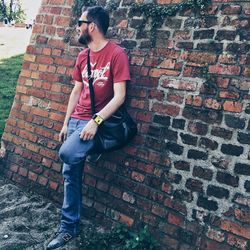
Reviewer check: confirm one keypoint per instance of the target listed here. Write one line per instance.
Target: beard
(85, 38)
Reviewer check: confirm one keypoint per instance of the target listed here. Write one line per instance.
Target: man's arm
(73, 100)
(90, 129)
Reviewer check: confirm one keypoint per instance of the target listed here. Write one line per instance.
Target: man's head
(94, 19)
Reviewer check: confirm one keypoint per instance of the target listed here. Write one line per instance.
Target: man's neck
(97, 45)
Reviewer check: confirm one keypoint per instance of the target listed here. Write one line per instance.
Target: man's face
(84, 36)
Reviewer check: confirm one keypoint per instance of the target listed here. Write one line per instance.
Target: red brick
(48, 19)
(65, 62)
(32, 176)
(137, 176)
(175, 219)
(90, 180)
(159, 72)
(56, 10)
(229, 94)
(14, 168)
(216, 235)
(166, 109)
(179, 84)
(48, 153)
(233, 106)
(50, 30)
(166, 187)
(182, 35)
(227, 59)
(235, 228)
(42, 180)
(29, 58)
(160, 211)
(212, 103)
(174, 97)
(222, 82)
(128, 197)
(225, 69)
(57, 2)
(23, 171)
(168, 64)
(53, 185)
(194, 100)
(242, 215)
(62, 21)
(199, 57)
(126, 219)
(58, 43)
(237, 242)
(116, 192)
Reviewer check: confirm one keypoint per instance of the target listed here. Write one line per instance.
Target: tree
(12, 10)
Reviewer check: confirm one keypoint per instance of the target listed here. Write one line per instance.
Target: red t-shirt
(108, 66)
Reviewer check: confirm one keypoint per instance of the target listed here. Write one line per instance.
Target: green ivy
(158, 12)
(152, 11)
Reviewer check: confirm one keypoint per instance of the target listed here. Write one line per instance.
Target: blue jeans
(73, 153)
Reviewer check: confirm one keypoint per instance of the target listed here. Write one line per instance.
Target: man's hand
(89, 131)
(63, 133)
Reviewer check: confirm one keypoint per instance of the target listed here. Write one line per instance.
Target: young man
(110, 70)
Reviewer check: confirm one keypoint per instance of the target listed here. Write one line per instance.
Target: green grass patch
(9, 71)
(120, 237)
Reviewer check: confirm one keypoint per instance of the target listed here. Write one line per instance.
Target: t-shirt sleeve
(120, 69)
(76, 75)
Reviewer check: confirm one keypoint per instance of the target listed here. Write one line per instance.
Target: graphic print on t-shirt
(100, 76)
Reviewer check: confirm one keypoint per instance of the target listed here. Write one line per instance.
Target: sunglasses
(80, 22)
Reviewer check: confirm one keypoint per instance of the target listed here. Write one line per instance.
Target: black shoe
(59, 240)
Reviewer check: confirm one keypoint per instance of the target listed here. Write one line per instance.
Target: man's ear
(92, 27)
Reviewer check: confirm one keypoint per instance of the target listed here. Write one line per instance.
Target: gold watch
(97, 119)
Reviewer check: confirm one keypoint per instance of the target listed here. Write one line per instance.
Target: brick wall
(187, 172)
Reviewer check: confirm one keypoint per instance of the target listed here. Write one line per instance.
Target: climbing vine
(152, 11)
(158, 12)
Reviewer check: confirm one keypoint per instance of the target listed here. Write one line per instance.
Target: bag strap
(91, 88)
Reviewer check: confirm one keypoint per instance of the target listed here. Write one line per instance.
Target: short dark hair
(100, 17)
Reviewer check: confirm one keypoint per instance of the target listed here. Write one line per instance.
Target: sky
(31, 7)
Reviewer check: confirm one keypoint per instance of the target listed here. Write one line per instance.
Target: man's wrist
(97, 119)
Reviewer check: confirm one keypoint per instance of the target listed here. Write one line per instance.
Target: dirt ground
(28, 221)
(13, 41)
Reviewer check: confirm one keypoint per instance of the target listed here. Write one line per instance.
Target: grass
(9, 72)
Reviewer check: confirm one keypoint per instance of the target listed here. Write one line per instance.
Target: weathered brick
(174, 148)
(166, 109)
(179, 84)
(198, 128)
(227, 179)
(194, 185)
(224, 69)
(230, 149)
(221, 132)
(204, 34)
(230, 9)
(178, 123)
(216, 235)
(218, 192)
(247, 186)
(235, 228)
(206, 203)
(189, 139)
(207, 143)
(203, 173)
(243, 169)
(197, 155)
(235, 122)
(237, 242)
(182, 165)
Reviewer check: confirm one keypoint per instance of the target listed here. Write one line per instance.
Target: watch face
(98, 119)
